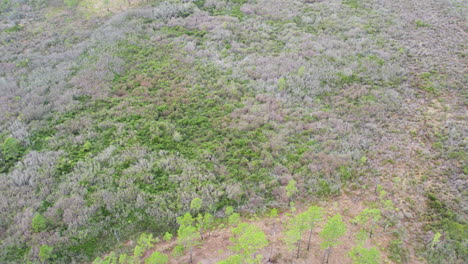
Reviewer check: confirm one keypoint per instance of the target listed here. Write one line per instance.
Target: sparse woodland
(233, 131)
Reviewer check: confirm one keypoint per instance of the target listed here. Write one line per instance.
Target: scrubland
(123, 121)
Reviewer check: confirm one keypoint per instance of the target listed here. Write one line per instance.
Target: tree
(362, 255)
(145, 242)
(167, 236)
(368, 219)
(72, 3)
(204, 222)
(39, 223)
(274, 215)
(157, 258)
(234, 219)
(11, 149)
(45, 252)
(331, 233)
(187, 219)
(234, 259)
(295, 228)
(291, 189)
(188, 235)
(109, 259)
(436, 239)
(314, 215)
(196, 204)
(125, 259)
(229, 210)
(247, 240)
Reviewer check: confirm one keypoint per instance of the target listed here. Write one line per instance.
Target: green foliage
(196, 204)
(273, 213)
(125, 259)
(167, 236)
(188, 236)
(368, 219)
(178, 31)
(334, 229)
(362, 255)
(109, 259)
(454, 227)
(145, 242)
(157, 258)
(185, 220)
(45, 253)
(138, 251)
(234, 219)
(281, 84)
(72, 3)
(397, 251)
(313, 215)
(420, 23)
(204, 223)
(15, 28)
(39, 223)
(436, 239)
(352, 3)
(229, 210)
(178, 251)
(295, 228)
(234, 259)
(248, 239)
(10, 152)
(291, 188)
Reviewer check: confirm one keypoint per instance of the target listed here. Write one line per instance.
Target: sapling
(334, 229)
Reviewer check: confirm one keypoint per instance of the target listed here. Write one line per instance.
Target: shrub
(39, 223)
(72, 3)
(157, 258)
(45, 252)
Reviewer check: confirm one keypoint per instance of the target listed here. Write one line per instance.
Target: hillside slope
(115, 115)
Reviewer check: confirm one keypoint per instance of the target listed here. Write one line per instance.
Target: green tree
(45, 253)
(188, 236)
(314, 214)
(11, 148)
(185, 220)
(125, 259)
(291, 189)
(39, 223)
(273, 213)
(205, 223)
(109, 259)
(294, 230)
(72, 3)
(234, 219)
(157, 258)
(274, 216)
(334, 229)
(196, 205)
(234, 259)
(362, 255)
(247, 240)
(10, 152)
(145, 242)
(229, 210)
(436, 239)
(368, 219)
(167, 236)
